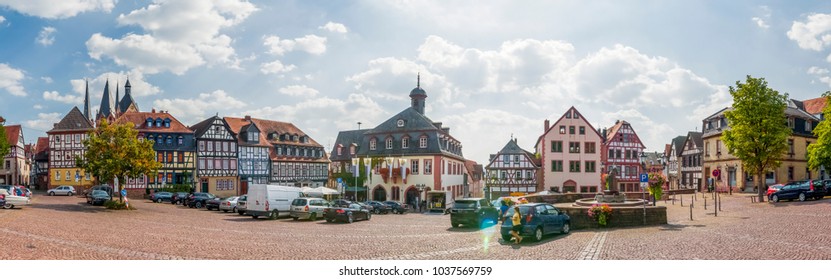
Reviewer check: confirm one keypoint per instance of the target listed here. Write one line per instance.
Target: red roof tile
(236, 125)
(13, 134)
(42, 145)
(814, 106)
(139, 119)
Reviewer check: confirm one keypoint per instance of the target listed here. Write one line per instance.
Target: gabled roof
(554, 124)
(347, 138)
(476, 171)
(237, 125)
(815, 106)
(667, 150)
(126, 101)
(268, 126)
(678, 142)
(139, 119)
(614, 130)
(203, 126)
(106, 108)
(413, 120)
(13, 134)
(695, 136)
(42, 145)
(73, 121)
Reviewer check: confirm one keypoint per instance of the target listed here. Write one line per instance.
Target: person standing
(516, 226)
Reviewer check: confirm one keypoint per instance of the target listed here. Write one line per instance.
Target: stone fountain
(611, 195)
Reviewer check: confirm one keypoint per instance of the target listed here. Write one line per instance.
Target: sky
(491, 69)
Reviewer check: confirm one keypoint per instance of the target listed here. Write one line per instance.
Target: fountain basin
(588, 202)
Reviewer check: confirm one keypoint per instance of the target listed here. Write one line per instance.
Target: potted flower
(600, 213)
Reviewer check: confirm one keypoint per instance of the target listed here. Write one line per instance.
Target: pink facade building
(570, 152)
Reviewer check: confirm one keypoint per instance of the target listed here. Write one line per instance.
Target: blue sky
(490, 69)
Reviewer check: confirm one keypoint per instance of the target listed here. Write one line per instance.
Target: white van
(270, 200)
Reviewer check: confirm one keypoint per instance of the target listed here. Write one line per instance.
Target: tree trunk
(761, 186)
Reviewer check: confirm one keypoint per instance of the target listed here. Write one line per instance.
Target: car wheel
(7, 206)
(349, 218)
(329, 220)
(566, 228)
(295, 218)
(455, 225)
(774, 198)
(51, 193)
(377, 211)
(225, 210)
(273, 215)
(802, 197)
(240, 213)
(506, 237)
(69, 194)
(254, 216)
(234, 210)
(538, 234)
(368, 216)
(159, 200)
(199, 205)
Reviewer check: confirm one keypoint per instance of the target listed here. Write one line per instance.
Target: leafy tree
(758, 131)
(819, 153)
(4, 143)
(114, 151)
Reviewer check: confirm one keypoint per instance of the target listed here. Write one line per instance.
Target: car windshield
(523, 210)
(243, 198)
(465, 204)
(298, 202)
(209, 195)
(94, 193)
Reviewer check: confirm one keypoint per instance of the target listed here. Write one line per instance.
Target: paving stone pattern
(68, 228)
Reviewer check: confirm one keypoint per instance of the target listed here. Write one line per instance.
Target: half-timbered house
(65, 144)
(691, 161)
(621, 152)
(216, 156)
(512, 170)
(296, 158)
(41, 164)
(254, 152)
(15, 171)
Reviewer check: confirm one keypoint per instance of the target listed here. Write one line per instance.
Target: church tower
(418, 96)
(87, 110)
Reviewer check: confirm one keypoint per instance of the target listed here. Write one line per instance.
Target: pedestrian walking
(516, 226)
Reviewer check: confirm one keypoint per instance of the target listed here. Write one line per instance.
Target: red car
(773, 188)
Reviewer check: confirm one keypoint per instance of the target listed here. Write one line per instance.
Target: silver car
(241, 205)
(308, 208)
(229, 204)
(62, 190)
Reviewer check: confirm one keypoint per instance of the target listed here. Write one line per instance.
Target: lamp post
(355, 162)
(420, 188)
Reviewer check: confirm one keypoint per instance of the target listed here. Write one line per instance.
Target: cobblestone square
(68, 228)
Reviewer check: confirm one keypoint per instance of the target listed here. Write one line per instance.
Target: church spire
(418, 96)
(116, 98)
(87, 109)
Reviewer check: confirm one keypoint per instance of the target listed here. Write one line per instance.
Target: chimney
(603, 134)
(153, 111)
(617, 121)
(547, 125)
(247, 118)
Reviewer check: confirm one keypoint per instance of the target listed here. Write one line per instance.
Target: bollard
(719, 203)
(692, 202)
(691, 207)
(682, 200)
(673, 199)
(705, 203)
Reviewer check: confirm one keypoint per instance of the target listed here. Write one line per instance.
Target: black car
(106, 188)
(179, 197)
(212, 204)
(341, 203)
(379, 207)
(347, 214)
(476, 212)
(198, 200)
(97, 197)
(396, 207)
(802, 190)
(159, 197)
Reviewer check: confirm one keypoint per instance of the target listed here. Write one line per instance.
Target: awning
(352, 189)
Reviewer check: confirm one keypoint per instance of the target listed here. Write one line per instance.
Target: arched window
(159, 122)
(159, 139)
(169, 140)
(389, 143)
(405, 142)
(373, 143)
(167, 122)
(180, 140)
(149, 122)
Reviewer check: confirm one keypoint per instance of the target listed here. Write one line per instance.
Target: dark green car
(477, 212)
(98, 197)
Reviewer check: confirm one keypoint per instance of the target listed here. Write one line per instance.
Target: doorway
(379, 194)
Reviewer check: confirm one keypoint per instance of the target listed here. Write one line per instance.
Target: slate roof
(203, 126)
(696, 137)
(815, 106)
(413, 120)
(679, 144)
(237, 125)
(107, 103)
(347, 138)
(126, 101)
(13, 134)
(73, 121)
(139, 119)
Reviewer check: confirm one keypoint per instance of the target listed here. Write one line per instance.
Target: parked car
(476, 212)
(24, 191)
(271, 201)
(213, 204)
(379, 207)
(229, 204)
(309, 208)
(160, 197)
(62, 190)
(538, 219)
(366, 206)
(802, 190)
(98, 197)
(347, 214)
(179, 198)
(396, 207)
(16, 190)
(773, 188)
(242, 205)
(341, 203)
(104, 187)
(197, 200)
(12, 200)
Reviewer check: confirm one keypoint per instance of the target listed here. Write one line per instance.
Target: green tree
(819, 153)
(114, 151)
(758, 131)
(4, 143)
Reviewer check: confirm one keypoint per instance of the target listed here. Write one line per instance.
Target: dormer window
(149, 122)
(340, 150)
(352, 150)
(169, 140)
(405, 142)
(422, 142)
(389, 143)
(253, 136)
(167, 122)
(373, 143)
(159, 122)
(180, 140)
(159, 139)
(791, 123)
(400, 123)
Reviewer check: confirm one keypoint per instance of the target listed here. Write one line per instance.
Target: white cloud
(276, 67)
(47, 80)
(761, 20)
(37, 107)
(45, 121)
(58, 9)
(320, 116)
(310, 43)
(2, 19)
(192, 110)
(181, 35)
(821, 74)
(46, 36)
(10, 80)
(813, 33)
(68, 99)
(334, 27)
(299, 90)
